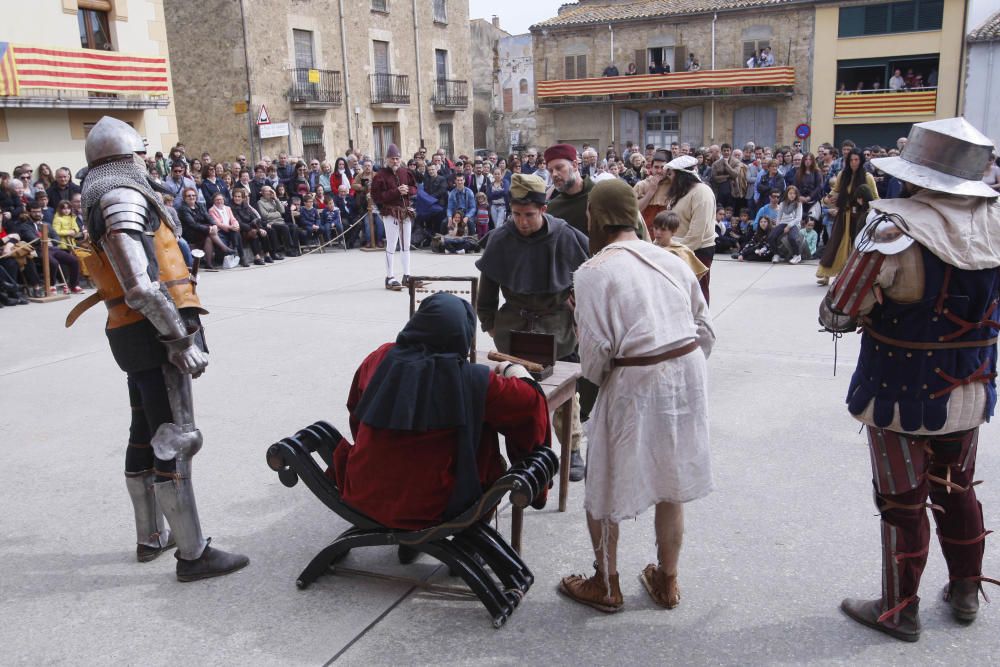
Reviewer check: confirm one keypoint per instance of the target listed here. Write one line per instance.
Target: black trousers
(147, 394)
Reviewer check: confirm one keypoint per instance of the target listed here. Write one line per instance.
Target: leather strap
(655, 359)
(82, 307)
(912, 345)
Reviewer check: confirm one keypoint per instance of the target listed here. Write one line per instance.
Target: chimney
(496, 21)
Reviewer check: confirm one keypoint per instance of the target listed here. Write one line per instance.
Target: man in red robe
(425, 422)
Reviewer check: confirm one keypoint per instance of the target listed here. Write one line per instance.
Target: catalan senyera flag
(886, 103)
(79, 69)
(8, 71)
(719, 78)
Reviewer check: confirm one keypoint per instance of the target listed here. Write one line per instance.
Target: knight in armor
(923, 285)
(155, 333)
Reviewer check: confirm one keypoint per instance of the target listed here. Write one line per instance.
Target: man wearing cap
(652, 190)
(694, 202)
(570, 199)
(531, 259)
(923, 284)
(392, 190)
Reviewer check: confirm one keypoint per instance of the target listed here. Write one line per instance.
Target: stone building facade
(485, 37)
(982, 82)
(50, 124)
(588, 36)
(340, 73)
(514, 103)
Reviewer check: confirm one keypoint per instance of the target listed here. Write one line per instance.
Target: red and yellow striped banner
(88, 69)
(647, 83)
(890, 103)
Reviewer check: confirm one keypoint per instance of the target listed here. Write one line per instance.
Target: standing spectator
(847, 223)
(177, 182)
(631, 70)
(652, 191)
(896, 83)
(809, 181)
(610, 70)
(482, 215)
(314, 175)
(436, 186)
(729, 178)
(991, 176)
(499, 199)
(212, 184)
(340, 175)
(770, 181)
(695, 203)
(636, 171)
(541, 171)
(480, 181)
(285, 170)
(588, 163)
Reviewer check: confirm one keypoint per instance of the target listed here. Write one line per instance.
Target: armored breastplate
(914, 355)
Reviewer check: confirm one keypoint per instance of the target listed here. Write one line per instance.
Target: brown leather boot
(867, 612)
(593, 592)
(963, 596)
(662, 587)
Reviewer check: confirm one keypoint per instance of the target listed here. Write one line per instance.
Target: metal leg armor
(150, 529)
(180, 441)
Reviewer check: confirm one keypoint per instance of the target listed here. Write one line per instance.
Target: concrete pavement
(789, 531)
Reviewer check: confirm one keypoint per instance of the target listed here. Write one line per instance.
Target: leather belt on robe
(656, 358)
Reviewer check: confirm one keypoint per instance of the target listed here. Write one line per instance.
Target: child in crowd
(482, 215)
(810, 239)
(758, 249)
(665, 225)
(309, 222)
(65, 226)
(329, 217)
(725, 238)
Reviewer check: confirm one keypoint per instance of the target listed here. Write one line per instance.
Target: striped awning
(84, 69)
(647, 83)
(889, 103)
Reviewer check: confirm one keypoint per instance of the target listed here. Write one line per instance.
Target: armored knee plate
(150, 529)
(176, 497)
(176, 441)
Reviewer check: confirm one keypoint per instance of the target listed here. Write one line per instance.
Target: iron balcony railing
(315, 87)
(390, 88)
(451, 94)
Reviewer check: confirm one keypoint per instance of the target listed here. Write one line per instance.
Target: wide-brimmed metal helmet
(947, 155)
(111, 138)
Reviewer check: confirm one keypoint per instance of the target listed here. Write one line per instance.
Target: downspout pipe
(715, 17)
(416, 52)
(347, 74)
(255, 149)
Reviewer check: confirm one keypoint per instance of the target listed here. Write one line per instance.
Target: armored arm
(126, 215)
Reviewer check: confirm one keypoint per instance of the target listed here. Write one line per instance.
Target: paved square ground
(789, 531)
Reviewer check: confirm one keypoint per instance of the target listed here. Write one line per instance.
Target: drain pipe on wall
(416, 52)
(347, 75)
(715, 17)
(246, 60)
(612, 61)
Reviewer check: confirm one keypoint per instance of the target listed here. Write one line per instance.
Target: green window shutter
(852, 22)
(570, 67)
(876, 19)
(929, 14)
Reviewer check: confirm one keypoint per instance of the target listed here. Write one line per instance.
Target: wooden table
(560, 387)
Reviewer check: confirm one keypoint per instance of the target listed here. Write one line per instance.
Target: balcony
(450, 94)
(389, 88)
(768, 81)
(44, 77)
(315, 89)
(919, 101)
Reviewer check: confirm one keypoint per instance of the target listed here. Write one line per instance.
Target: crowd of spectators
(774, 204)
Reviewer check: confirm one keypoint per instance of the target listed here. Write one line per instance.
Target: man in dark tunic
(531, 259)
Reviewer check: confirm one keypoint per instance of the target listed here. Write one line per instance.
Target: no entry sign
(803, 131)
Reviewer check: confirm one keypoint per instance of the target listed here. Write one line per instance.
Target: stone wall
(516, 65)
(485, 38)
(210, 79)
(789, 32)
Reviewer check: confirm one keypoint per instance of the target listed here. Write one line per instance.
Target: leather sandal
(593, 592)
(662, 587)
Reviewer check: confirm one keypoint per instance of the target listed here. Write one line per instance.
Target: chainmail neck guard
(106, 177)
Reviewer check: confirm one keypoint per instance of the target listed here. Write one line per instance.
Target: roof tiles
(988, 31)
(595, 14)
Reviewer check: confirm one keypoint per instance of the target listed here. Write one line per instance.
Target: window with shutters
(303, 42)
(384, 134)
(440, 11)
(95, 32)
(380, 6)
(380, 53)
(508, 100)
(575, 67)
(446, 138)
(312, 143)
(886, 18)
(522, 87)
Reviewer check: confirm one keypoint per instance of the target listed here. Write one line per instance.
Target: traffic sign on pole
(262, 117)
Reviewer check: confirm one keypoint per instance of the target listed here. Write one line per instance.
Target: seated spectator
(229, 228)
(320, 197)
(28, 228)
(665, 225)
(810, 240)
(64, 224)
(16, 258)
(272, 216)
(757, 248)
(177, 182)
(769, 209)
(346, 204)
(462, 199)
(199, 229)
(212, 184)
(64, 187)
(299, 184)
(457, 239)
(410, 469)
(252, 231)
(787, 242)
(340, 175)
(308, 223)
(740, 231)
